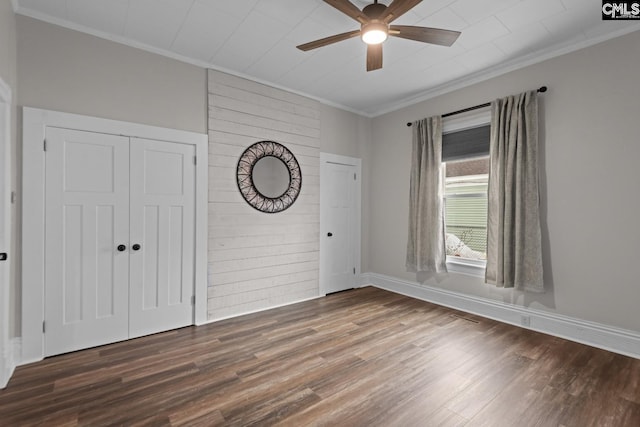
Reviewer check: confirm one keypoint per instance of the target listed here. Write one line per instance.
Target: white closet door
(163, 225)
(87, 218)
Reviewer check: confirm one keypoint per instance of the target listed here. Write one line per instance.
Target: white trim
(202, 227)
(7, 362)
(480, 76)
(169, 54)
(326, 158)
(498, 70)
(11, 356)
(468, 120)
(16, 344)
(459, 122)
(606, 337)
(468, 267)
(259, 310)
(35, 122)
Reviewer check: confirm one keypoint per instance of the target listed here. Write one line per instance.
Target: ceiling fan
(375, 26)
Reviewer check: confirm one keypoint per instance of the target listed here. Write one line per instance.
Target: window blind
(466, 143)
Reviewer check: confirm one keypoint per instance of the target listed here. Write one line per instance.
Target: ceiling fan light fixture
(375, 27)
(374, 32)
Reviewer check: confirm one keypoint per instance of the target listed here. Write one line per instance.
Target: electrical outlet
(525, 321)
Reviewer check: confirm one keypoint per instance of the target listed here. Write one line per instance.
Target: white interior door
(87, 219)
(339, 206)
(163, 225)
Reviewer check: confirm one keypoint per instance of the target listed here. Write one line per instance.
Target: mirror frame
(244, 175)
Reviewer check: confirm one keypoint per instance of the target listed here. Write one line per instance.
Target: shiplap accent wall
(259, 260)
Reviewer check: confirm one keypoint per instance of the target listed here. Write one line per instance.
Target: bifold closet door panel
(162, 236)
(87, 218)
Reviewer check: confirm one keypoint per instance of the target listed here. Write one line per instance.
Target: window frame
(480, 117)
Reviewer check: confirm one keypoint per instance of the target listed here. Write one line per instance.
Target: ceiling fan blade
(328, 40)
(397, 8)
(349, 9)
(374, 56)
(425, 34)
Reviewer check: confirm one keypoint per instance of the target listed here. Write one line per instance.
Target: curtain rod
(543, 89)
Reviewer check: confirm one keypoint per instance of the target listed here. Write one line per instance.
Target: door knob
(121, 248)
(136, 247)
(3, 256)
(329, 234)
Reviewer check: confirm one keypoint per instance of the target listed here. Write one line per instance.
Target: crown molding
(500, 69)
(471, 79)
(169, 54)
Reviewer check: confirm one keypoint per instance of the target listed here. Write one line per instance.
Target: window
(466, 185)
(465, 154)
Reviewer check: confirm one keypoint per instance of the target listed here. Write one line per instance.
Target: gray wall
(7, 44)
(589, 183)
(69, 71)
(8, 72)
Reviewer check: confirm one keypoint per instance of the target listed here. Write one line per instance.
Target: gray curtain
(426, 243)
(514, 255)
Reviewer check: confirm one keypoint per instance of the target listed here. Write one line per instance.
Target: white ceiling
(257, 39)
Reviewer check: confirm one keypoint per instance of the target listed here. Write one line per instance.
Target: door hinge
(44, 145)
(354, 270)
(195, 160)
(354, 176)
(193, 300)
(14, 196)
(44, 329)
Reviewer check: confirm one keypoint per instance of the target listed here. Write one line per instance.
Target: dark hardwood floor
(360, 358)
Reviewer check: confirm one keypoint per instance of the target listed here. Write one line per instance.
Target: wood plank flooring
(360, 358)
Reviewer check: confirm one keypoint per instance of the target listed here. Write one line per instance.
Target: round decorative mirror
(269, 176)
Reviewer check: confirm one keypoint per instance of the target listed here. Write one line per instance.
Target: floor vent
(465, 318)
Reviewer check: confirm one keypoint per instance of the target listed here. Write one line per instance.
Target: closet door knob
(121, 248)
(329, 234)
(136, 247)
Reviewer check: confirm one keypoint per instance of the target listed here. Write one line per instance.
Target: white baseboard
(10, 359)
(17, 351)
(218, 319)
(594, 334)
(6, 373)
